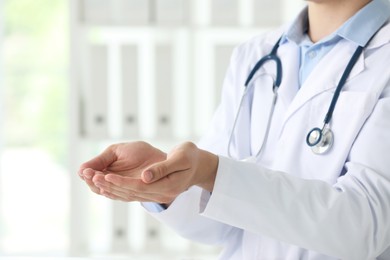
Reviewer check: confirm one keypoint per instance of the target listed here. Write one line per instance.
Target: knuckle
(188, 144)
(160, 171)
(142, 143)
(112, 147)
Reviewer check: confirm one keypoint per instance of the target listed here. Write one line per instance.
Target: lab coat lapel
(326, 75)
(289, 54)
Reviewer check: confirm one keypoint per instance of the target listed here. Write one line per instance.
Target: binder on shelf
(152, 229)
(118, 12)
(96, 101)
(119, 227)
(164, 91)
(130, 93)
(130, 12)
(224, 12)
(96, 12)
(222, 54)
(172, 12)
(267, 12)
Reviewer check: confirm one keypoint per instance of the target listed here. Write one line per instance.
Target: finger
(80, 173)
(121, 183)
(157, 191)
(92, 186)
(114, 195)
(101, 161)
(178, 162)
(130, 186)
(88, 173)
(126, 183)
(125, 191)
(113, 192)
(106, 186)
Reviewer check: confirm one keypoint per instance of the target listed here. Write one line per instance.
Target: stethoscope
(320, 140)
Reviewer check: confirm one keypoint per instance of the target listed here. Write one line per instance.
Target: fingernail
(148, 176)
(88, 174)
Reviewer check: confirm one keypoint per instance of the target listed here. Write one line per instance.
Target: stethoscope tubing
(341, 84)
(270, 116)
(278, 80)
(271, 56)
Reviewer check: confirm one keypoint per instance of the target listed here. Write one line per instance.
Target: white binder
(268, 12)
(130, 12)
(95, 95)
(119, 227)
(222, 54)
(130, 93)
(172, 12)
(164, 91)
(96, 12)
(224, 12)
(116, 12)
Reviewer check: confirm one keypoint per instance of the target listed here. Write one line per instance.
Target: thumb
(102, 161)
(162, 169)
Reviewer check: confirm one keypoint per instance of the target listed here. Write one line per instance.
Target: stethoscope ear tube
(270, 57)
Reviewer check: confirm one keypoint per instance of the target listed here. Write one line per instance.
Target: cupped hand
(162, 182)
(124, 159)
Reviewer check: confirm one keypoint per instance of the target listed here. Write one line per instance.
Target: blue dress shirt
(358, 29)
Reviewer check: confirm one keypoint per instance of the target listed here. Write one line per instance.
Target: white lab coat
(293, 204)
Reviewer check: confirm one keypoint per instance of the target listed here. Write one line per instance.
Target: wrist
(208, 166)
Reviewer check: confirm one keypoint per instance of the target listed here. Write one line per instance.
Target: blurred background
(77, 75)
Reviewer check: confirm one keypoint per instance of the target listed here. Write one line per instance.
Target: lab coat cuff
(153, 207)
(176, 207)
(207, 198)
(204, 199)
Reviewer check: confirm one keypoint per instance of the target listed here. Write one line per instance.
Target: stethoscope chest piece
(320, 140)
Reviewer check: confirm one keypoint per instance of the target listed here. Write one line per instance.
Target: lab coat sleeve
(349, 220)
(183, 217)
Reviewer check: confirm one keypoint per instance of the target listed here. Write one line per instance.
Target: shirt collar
(365, 23)
(358, 29)
(297, 29)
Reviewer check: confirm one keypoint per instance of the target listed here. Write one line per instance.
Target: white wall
(1, 107)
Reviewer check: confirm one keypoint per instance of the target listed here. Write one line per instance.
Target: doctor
(297, 196)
